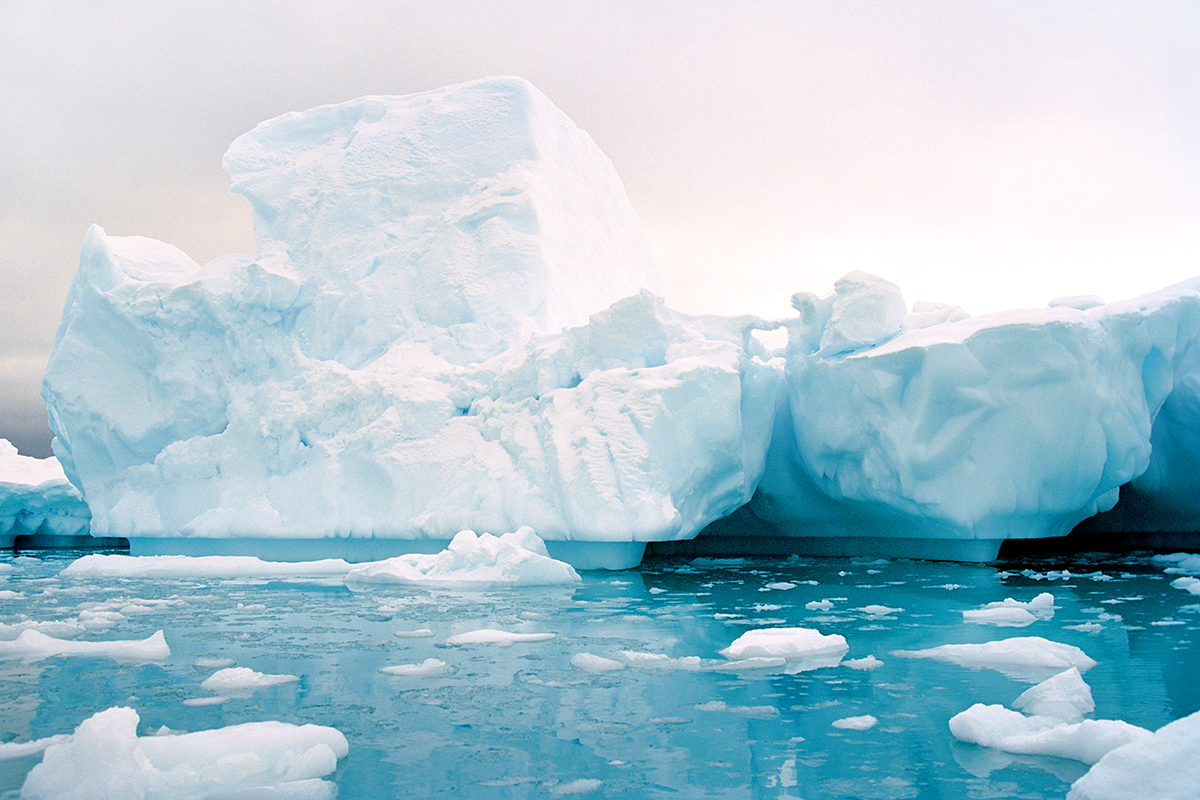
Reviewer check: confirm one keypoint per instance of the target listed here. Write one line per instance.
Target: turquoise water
(521, 721)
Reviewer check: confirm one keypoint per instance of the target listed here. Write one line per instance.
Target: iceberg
(957, 435)
(1163, 765)
(36, 497)
(453, 321)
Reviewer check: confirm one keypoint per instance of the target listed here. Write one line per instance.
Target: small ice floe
(430, 667)
(1028, 658)
(867, 663)
(496, 637)
(519, 558)
(1086, 627)
(1164, 764)
(9, 594)
(879, 612)
(32, 645)
(105, 758)
(863, 723)
(778, 586)
(419, 633)
(802, 648)
(755, 712)
(593, 663)
(241, 682)
(1012, 613)
(1052, 724)
(165, 567)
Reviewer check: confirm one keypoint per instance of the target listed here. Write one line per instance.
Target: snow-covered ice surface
(616, 690)
(36, 497)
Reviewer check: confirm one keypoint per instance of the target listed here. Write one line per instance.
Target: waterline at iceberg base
(454, 322)
(705, 678)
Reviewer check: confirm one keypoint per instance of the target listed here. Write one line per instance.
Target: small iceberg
(513, 559)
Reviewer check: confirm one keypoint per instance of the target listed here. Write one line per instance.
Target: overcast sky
(989, 154)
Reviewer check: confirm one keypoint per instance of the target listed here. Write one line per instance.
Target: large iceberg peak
(468, 217)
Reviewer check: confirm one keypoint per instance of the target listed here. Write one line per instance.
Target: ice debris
(105, 758)
(519, 558)
(1025, 657)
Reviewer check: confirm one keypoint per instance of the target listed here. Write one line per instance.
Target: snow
(32, 645)
(36, 497)
(511, 559)
(1023, 657)
(105, 758)
(1164, 765)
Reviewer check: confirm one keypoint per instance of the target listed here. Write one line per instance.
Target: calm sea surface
(522, 721)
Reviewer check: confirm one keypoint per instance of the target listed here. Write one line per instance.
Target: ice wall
(1010, 425)
(35, 497)
(393, 364)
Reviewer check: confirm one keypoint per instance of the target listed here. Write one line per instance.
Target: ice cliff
(454, 322)
(35, 497)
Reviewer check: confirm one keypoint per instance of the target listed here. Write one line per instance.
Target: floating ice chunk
(160, 567)
(819, 605)
(878, 611)
(1013, 732)
(863, 723)
(512, 559)
(1004, 617)
(867, 663)
(1164, 765)
(1012, 613)
(802, 648)
(242, 681)
(1024, 657)
(593, 663)
(1184, 563)
(105, 758)
(1064, 696)
(428, 668)
(10, 750)
(419, 633)
(780, 586)
(1086, 627)
(1187, 584)
(33, 645)
(497, 637)
(59, 629)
